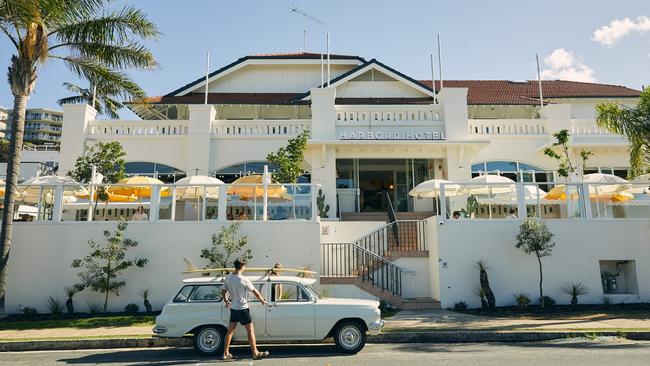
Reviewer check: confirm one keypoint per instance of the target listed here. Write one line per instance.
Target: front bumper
(375, 327)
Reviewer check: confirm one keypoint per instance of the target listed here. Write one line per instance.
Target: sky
(584, 40)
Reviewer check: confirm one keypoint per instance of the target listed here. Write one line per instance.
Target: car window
(289, 292)
(183, 294)
(206, 293)
(261, 287)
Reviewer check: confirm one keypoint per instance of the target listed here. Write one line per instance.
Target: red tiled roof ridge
(300, 54)
(521, 82)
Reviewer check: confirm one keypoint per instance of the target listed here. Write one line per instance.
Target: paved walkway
(414, 320)
(407, 320)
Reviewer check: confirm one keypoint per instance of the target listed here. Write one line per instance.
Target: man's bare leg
(229, 334)
(251, 338)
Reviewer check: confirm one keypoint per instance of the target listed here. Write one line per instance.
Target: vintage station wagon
(295, 312)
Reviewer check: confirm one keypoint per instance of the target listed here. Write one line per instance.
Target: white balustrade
(507, 127)
(383, 114)
(262, 128)
(588, 127)
(138, 128)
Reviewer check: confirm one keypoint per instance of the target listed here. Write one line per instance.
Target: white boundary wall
(39, 265)
(580, 244)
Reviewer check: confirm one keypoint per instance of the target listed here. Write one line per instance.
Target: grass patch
(81, 321)
(596, 312)
(130, 336)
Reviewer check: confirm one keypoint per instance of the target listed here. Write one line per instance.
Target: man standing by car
(235, 294)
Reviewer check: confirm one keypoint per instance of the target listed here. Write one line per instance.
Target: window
(183, 294)
(206, 293)
(290, 292)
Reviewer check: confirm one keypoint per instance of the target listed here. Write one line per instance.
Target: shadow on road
(182, 356)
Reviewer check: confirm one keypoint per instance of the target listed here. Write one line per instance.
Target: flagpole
(440, 62)
(433, 80)
(207, 75)
(539, 82)
(328, 60)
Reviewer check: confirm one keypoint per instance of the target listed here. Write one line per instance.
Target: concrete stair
(383, 216)
(396, 301)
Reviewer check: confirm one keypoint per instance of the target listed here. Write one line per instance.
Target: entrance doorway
(378, 179)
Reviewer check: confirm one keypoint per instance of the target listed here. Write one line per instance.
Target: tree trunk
(22, 77)
(541, 278)
(485, 286)
(13, 171)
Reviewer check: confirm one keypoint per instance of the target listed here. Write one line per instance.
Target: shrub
(30, 311)
(606, 300)
(522, 301)
(54, 305)
(131, 309)
(548, 301)
(70, 291)
(574, 290)
(485, 289)
(94, 307)
(461, 305)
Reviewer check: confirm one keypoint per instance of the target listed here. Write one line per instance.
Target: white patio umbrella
(431, 189)
(33, 188)
(640, 184)
(196, 188)
(608, 183)
(488, 184)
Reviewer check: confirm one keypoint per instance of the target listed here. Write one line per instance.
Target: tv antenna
(305, 16)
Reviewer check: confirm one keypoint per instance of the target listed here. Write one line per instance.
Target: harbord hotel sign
(390, 133)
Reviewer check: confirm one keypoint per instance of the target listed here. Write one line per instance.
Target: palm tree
(103, 96)
(94, 42)
(633, 123)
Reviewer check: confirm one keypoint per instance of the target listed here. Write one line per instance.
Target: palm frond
(132, 55)
(111, 28)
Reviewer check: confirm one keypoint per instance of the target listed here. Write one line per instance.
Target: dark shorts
(242, 317)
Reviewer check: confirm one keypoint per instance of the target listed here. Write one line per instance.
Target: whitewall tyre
(209, 340)
(350, 337)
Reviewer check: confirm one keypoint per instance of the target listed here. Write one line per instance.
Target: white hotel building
(375, 133)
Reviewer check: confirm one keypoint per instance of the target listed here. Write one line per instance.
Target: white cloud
(564, 65)
(619, 28)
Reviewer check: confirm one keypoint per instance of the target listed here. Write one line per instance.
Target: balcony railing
(412, 113)
(507, 127)
(168, 202)
(588, 127)
(138, 128)
(544, 200)
(262, 128)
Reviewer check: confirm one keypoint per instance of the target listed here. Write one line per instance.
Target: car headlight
(159, 329)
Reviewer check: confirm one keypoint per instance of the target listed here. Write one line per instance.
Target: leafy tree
(633, 123)
(93, 41)
(566, 166)
(535, 237)
(226, 247)
(4, 150)
(102, 266)
(108, 159)
(289, 159)
(104, 95)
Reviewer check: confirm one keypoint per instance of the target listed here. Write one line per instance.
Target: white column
(558, 118)
(323, 113)
(223, 202)
(154, 201)
(521, 201)
(198, 138)
(454, 104)
(58, 203)
(73, 135)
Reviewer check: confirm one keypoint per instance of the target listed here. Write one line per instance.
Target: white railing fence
(237, 128)
(138, 128)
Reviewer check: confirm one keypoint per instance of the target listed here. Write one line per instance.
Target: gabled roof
(366, 66)
(505, 92)
(276, 56)
(228, 98)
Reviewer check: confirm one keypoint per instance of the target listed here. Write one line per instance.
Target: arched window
(230, 173)
(163, 172)
(514, 170)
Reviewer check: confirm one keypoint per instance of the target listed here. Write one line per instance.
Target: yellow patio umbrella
(112, 197)
(138, 186)
(252, 186)
(609, 186)
(2, 188)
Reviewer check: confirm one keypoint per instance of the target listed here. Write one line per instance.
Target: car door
(290, 315)
(203, 303)
(257, 311)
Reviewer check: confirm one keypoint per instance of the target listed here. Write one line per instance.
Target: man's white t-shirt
(238, 287)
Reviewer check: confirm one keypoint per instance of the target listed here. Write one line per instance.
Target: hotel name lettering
(391, 135)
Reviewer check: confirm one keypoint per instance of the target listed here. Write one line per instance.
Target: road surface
(566, 352)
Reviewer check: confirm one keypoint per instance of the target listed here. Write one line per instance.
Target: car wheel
(350, 337)
(209, 340)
